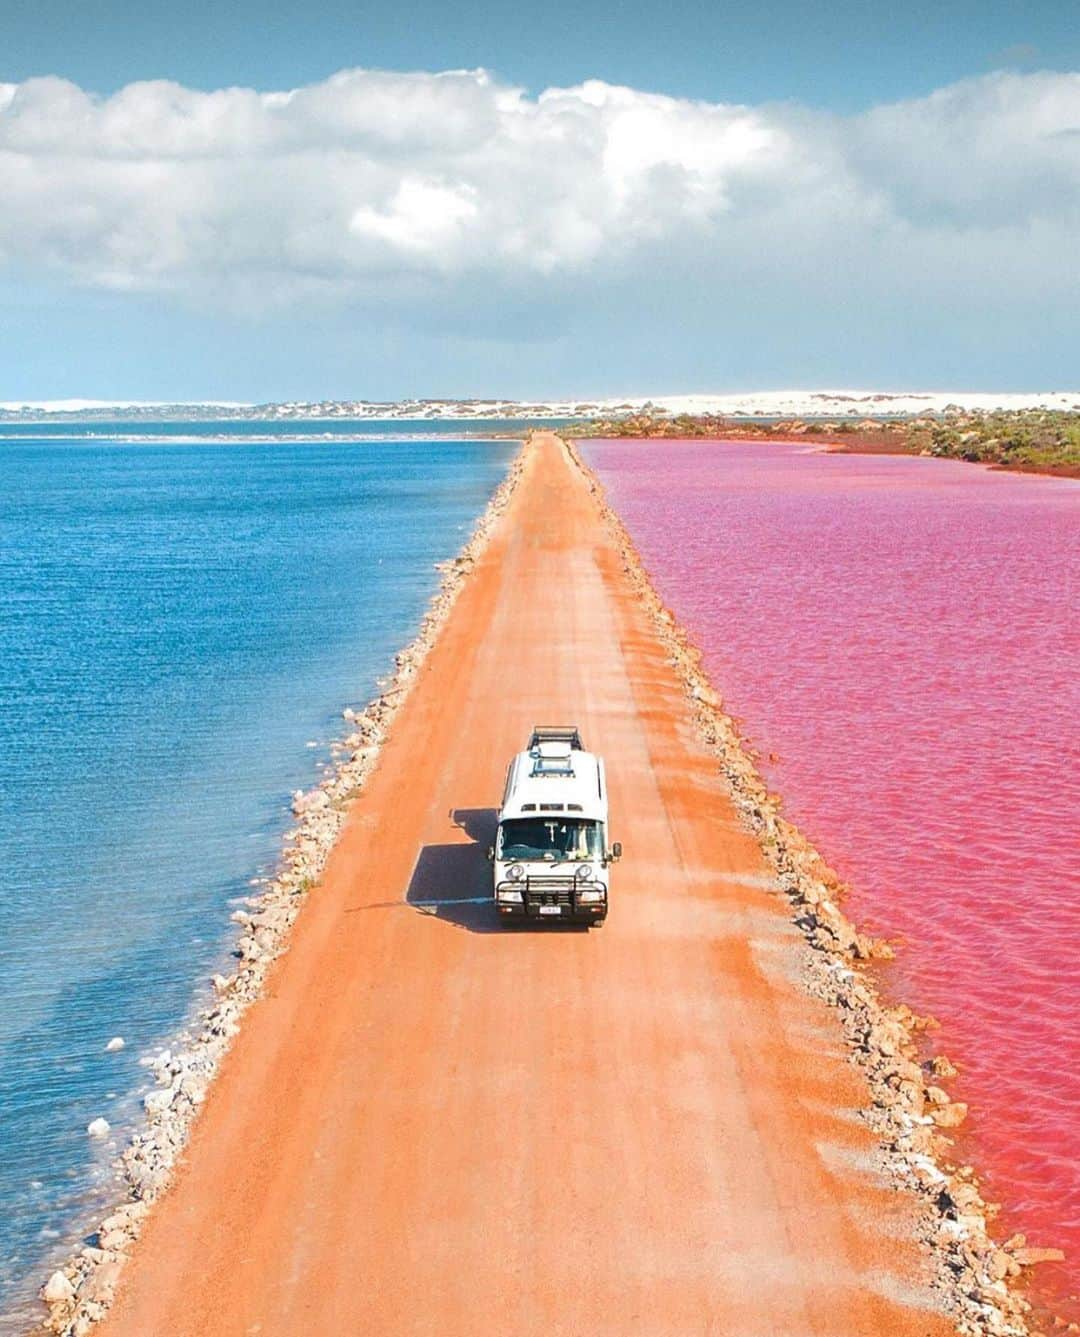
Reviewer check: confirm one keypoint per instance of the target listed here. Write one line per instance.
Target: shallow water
(903, 635)
(178, 625)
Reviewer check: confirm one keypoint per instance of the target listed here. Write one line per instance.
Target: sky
(276, 200)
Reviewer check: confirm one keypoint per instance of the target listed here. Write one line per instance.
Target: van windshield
(551, 838)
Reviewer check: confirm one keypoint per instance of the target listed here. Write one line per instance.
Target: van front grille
(549, 891)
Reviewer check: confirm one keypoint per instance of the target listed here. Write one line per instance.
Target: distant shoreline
(750, 406)
(1025, 436)
(1034, 441)
(128, 437)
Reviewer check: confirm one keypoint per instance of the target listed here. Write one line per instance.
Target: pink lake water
(902, 633)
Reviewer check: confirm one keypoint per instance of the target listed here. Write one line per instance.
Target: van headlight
(509, 894)
(591, 895)
(515, 872)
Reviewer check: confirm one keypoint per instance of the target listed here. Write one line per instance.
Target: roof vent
(555, 758)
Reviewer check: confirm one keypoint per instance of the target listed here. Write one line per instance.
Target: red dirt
(432, 1126)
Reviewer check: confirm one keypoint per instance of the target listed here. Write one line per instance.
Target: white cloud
(381, 188)
(424, 217)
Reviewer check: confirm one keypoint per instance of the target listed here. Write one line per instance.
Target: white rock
(100, 1286)
(310, 802)
(193, 1085)
(98, 1127)
(157, 1102)
(57, 1290)
(117, 1042)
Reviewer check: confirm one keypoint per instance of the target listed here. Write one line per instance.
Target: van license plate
(550, 909)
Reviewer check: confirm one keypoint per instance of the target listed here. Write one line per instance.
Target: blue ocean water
(179, 624)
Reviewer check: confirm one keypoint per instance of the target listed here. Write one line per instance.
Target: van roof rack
(556, 733)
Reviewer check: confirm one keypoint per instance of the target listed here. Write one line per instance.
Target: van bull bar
(569, 898)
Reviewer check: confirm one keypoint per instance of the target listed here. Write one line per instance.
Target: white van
(551, 858)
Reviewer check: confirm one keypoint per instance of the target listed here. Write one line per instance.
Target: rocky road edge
(78, 1295)
(910, 1107)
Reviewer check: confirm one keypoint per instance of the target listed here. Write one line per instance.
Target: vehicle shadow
(479, 824)
(453, 882)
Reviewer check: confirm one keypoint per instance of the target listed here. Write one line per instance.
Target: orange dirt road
(435, 1126)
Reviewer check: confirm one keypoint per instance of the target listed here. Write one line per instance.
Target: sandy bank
(426, 1125)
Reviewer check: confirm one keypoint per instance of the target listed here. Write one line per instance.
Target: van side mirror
(491, 854)
(616, 851)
